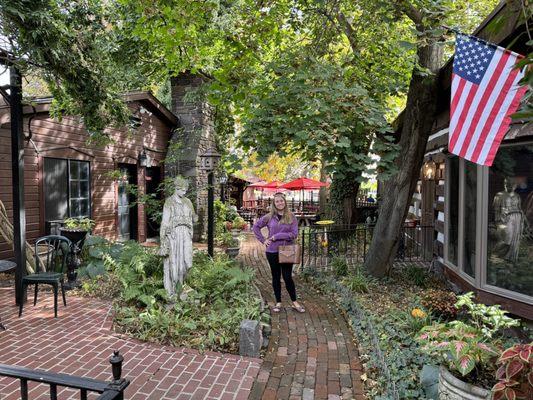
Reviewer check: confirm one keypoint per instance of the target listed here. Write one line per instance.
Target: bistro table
(305, 219)
(7, 266)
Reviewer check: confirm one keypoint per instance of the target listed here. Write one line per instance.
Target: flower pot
(452, 388)
(235, 233)
(233, 252)
(76, 236)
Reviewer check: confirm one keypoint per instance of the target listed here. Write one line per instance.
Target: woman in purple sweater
(282, 230)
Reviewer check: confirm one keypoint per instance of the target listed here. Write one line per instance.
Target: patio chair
(51, 254)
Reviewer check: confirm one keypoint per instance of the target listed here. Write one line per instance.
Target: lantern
(429, 169)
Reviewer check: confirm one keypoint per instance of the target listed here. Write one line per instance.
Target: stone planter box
(233, 252)
(452, 388)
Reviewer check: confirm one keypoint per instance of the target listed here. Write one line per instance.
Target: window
(469, 225)
(510, 220)
(453, 211)
(66, 189)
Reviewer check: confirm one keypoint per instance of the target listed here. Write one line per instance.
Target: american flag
(485, 92)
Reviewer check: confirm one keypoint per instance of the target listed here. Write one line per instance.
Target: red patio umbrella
(258, 185)
(303, 184)
(273, 185)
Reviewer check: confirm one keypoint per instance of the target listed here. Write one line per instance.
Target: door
(153, 181)
(127, 208)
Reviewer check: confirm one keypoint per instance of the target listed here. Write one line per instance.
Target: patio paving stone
(310, 355)
(80, 342)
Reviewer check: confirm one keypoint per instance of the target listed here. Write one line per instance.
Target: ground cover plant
(206, 314)
(388, 316)
(393, 311)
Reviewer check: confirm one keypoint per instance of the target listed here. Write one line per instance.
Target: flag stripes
(484, 94)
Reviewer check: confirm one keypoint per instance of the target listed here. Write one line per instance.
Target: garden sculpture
(176, 236)
(509, 220)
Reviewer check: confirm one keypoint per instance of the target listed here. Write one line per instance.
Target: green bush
(416, 274)
(357, 282)
(339, 266)
(220, 218)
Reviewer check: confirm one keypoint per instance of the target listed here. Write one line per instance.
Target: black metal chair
(51, 253)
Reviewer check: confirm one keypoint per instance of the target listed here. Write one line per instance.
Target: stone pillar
(194, 136)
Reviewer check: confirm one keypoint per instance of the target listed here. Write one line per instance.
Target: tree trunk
(343, 194)
(322, 194)
(397, 192)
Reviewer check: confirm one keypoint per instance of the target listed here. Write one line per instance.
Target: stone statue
(509, 220)
(176, 235)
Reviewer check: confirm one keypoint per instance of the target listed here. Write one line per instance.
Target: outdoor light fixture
(429, 169)
(223, 178)
(143, 159)
(209, 160)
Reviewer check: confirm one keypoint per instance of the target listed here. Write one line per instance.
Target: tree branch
(348, 30)
(411, 12)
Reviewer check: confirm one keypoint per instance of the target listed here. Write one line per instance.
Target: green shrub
(417, 275)
(206, 313)
(214, 300)
(339, 266)
(357, 282)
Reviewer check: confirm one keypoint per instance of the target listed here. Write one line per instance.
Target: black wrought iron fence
(113, 390)
(322, 244)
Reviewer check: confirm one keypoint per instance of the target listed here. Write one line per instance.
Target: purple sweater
(281, 234)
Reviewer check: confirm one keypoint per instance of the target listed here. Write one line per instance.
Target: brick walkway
(310, 355)
(80, 342)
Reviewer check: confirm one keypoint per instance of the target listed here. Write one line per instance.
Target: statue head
(181, 185)
(508, 184)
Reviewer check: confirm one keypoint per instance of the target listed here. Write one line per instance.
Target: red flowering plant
(515, 373)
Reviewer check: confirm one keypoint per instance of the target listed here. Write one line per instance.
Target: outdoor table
(305, 219)
(7, 266)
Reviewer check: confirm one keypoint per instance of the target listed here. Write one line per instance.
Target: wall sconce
(429, 169)
(143, 159)
(209, 160)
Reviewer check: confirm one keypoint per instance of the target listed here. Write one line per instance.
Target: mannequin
(509, 220)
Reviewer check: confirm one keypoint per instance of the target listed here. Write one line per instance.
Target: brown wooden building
(65, 177)
(462, 196)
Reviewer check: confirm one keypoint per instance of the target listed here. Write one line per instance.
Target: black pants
(277, 269)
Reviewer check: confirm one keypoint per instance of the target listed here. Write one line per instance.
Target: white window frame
(482, 206)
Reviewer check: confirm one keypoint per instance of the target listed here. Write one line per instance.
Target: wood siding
(68, 139)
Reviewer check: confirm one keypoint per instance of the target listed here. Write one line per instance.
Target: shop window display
(510, 220)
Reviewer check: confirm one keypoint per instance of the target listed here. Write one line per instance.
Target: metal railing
(113, 390)
(322, 244)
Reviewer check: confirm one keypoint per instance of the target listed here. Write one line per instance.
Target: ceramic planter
(232, 252)
(235, 233)
(452, 388)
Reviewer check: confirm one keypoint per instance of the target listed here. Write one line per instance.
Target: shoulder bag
(290, 254)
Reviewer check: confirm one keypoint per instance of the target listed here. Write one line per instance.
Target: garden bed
(387, 316)
(206, 315)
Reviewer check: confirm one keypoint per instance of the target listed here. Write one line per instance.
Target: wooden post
(17, 168)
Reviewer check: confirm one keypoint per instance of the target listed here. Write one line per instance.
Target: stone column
(194, 136)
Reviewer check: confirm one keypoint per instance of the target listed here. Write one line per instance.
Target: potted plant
(231, 243)
(462, 350)
(76, 229)
(466, 350)
(515, 373)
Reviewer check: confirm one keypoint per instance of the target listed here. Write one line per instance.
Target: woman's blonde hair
(287, 217)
